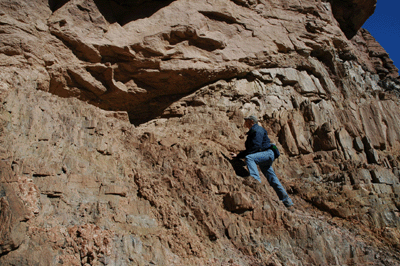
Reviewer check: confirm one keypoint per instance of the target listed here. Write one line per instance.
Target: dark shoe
(290, 208)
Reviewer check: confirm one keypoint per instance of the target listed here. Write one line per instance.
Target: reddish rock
(117, 119)
(237, 202)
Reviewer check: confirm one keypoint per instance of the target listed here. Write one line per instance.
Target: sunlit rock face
(118, 118)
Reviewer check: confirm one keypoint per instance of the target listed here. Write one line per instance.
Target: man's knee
(249, 158)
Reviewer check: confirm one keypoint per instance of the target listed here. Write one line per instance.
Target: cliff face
(118, 117)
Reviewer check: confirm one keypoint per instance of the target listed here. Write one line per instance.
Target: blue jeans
(264, 160)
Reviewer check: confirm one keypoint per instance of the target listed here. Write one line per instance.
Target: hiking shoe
(290, 208)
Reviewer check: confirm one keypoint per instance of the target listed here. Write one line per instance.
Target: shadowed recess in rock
(148, 110)
(56, 4)
(238, 166)
(121, 11)
(351, 15)
(125, 11)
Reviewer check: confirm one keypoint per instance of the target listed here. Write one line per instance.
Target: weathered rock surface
(352, 14)
(117, 119)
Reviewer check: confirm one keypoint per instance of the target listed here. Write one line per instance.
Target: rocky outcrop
(375, 58)
(352, 14)
(130, 68)
(117, 124)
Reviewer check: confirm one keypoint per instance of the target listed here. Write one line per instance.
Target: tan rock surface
(117, 119)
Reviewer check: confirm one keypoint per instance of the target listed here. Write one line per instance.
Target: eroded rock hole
(125, 11)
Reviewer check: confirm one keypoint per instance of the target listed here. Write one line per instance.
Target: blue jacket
(257, 140)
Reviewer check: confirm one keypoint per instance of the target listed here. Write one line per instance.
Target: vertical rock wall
(118, 117)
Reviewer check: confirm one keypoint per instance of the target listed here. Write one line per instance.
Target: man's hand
(233, 155)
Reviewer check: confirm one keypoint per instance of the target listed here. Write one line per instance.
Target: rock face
(117, 119)
(352, 14)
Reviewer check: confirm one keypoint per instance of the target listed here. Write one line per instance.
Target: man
(259, 151)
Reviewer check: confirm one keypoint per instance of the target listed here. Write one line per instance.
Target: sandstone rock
(13, 213)
(117, 119)
(371, 117)
(288, 140)
(384, 176)
(325, 138)
(344, 13)
(372, 156)
(358, 144)
(237, 202)
(373, 56)
(346, 141)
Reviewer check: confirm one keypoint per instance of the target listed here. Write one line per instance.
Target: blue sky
(384, 26)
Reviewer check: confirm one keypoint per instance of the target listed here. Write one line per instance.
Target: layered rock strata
(118, 117)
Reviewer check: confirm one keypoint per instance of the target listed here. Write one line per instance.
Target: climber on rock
(259, 151)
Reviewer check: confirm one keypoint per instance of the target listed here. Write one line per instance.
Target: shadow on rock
(238, 165)
(125, 11)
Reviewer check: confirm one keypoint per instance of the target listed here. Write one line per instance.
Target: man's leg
(276, 185)
(252, 160)
(265, 160)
